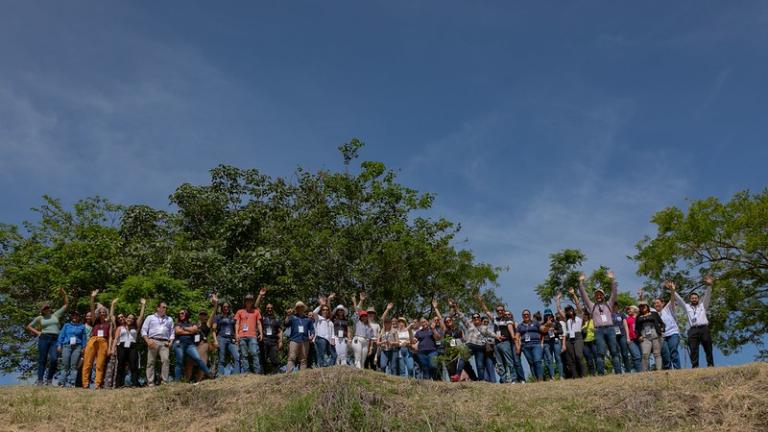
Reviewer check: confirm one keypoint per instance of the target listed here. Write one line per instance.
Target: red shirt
(247, 322)
(104, 327)
(631, 325)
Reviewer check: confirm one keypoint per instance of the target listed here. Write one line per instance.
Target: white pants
(360, 348)
(341, 350)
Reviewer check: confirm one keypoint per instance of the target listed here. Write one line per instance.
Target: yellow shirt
(590, 326)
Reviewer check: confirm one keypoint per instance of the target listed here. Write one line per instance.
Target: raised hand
(669, 285)
(263, 291)
(362, 296)
(708, 280)
(114, 301)
(559, 296)
(391, 305)
(94, 293)
(61, 291)
(610, 275)
(582, 277)
(144, 301)
(571, 291)
(331, 296)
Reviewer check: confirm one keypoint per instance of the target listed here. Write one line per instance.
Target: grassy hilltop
(345, 399)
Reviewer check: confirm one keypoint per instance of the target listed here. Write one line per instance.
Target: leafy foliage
(323, 232)
(726, 239)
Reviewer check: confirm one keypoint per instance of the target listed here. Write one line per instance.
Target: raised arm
(112, 311)
(484, 307)
(575, 300)
(614, 289)
(440, 317)
(363, 296)
(140, 321)
(214, 306)
(64, 295)
(260, 297)
(560, 312)
(583, 292)
(707, 297)
(386, 312)
(94, 293)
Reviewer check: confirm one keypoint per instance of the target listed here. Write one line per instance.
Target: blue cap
(548, 312)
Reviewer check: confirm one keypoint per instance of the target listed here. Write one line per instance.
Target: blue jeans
(552, 350)
(428, 363)
(637, 356)
(621, 340)
(519, 372)
(533, 354)
(670, 354)
(227, 345)
(405, 362)
(478, 352)
(605, 340)
(590, 355)
(249, 346)
(322, 352)
(388, 361)
(190, 350)
(70, 355)
(506, 359)
(46, 356)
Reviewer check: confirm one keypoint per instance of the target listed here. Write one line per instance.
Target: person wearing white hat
(340, 334)
(302, 330)
(605, 335)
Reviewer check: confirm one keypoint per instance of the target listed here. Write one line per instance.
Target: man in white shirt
(157, 332)
(669, 349)
(698, 332)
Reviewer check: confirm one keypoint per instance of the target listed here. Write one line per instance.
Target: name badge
(453, 342)
(245, 327)
(551, 334)
(498, 332)
(73, 340)
(648, 331)
(301, 329)
(269, 331)
(693, 320)
(197, 338)
(618, 331)
(227, 332)
(100, 333)
(341, 333)
(604, 317)
(127, 343)
(527, 337)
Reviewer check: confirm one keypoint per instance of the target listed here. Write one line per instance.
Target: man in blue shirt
(302, 331)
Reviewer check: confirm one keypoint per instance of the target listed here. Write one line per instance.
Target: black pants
(574, 357)
(700, 336)
(370, 361)
(270, 360)
(127, 358)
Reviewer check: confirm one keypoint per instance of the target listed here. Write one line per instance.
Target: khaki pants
(297, 352)
(648, 345)
(189, 365)
(152, 353)
(95, 350)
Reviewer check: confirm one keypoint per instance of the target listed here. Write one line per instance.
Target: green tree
(728, 240)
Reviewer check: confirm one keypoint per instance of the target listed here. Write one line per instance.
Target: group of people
(571, 342)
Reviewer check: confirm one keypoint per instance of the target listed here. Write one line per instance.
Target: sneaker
(61, 384)
(39, 383)
(48, 382)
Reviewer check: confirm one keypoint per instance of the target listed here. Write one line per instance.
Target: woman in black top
(649, 329)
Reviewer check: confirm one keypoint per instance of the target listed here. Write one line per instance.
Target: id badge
(197, 338)
(301, 329)
(73, 340)
(527, 338)
(100, 333)
(604, 317)
(453, 342)
(498, 332)
(227, 332)
(551, 334)
(649, 332)
(618, 331)
(693, 320)
(341, 333)
(245, 327)
(269, 331)
(127, 343)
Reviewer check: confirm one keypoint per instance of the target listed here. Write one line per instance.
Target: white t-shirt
(573, 327)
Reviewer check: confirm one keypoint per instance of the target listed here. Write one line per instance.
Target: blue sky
(538, 126)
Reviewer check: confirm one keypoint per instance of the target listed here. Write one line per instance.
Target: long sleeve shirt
(601, 312)
(362, 330)
(156, 327)
(323, 325)
(72, 334)
(670, 322)
(697, 315)
(475, 335)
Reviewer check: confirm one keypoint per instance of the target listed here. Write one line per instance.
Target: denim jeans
(506, 359)
(590, 355)
(605, 340)
(249, 346)
(670, 353)
(405, 362)
(46, 356)
(70, 356)
(388, 361)
(621, 340)
(637, 356)
(533, 354)
(187, 349)
(478, 354)
(227, 345)
(428, 363)
(322, 352)
(552, 348)
(519, 372)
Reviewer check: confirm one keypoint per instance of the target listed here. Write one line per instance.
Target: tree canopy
(728, 240)
(320, 232)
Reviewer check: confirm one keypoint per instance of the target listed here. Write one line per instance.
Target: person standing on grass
(98, 345)
(698, 331)
(46, 327)
(224, 325)
(505, 337)
(70, 346)
(125, 347)
(530, 333)
(517, 350)
(388, 341)
(650, 328)
(670, 355)
(158, 332)
(361, 341)
(620, 327)
(553, 344)
(248, 333)
(272, 342)
(474, 338)
(88, 328)
(185, 344)
(341, 334)
(427, 336)
(605, 335)
(323, 331)
(634, 344)
(590, 348)
(405, 341)
(302, 329)
(574, 341)
(204, 322)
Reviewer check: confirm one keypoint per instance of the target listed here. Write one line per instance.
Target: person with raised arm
(341, 334)
(98, 345)
(574, 341)
(553, 344)
(323, 338)
(185, 344)
(387, 342)
(427, 336)
(302, 330)
(605, 335)
(474, 338)
(363, 335)
(46, 327)
(204, 347)
(125, 347)
(530, 331)
(634, 344)
(248, 333)
(273, 335)
(158, 333)
(670, 355)
(505, 336)
(70, 345)
(649, 328)
(698, 322)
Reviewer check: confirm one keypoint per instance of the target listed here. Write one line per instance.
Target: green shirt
(51, 324)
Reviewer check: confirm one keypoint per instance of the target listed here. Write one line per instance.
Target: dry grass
(345, 399)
